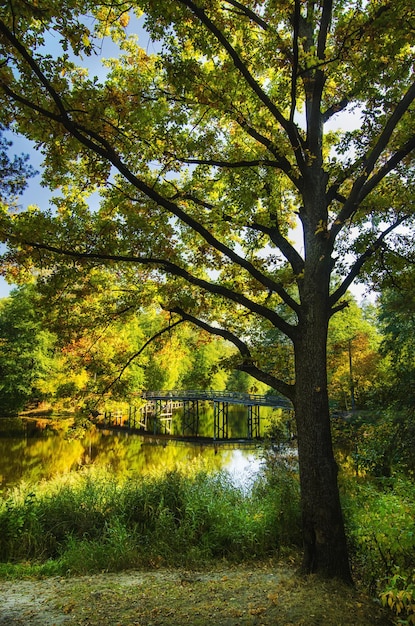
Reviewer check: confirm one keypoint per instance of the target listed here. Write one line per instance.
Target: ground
(264, 594)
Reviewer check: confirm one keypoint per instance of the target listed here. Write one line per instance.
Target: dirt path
(236, 596)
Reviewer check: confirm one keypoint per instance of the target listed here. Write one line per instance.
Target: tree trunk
(325, 547)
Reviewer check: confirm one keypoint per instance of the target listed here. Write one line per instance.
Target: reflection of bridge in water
(156, 415)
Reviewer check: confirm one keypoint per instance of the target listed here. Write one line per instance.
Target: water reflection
(36, 450)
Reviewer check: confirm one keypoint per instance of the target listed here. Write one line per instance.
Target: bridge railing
(218, 396)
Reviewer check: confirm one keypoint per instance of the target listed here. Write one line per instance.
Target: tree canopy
(201, 153)
(205, 155)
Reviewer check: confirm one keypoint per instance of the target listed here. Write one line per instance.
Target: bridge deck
(231, 397)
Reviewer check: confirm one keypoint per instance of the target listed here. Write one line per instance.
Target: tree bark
(325, 545)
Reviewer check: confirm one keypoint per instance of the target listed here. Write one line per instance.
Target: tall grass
(91, 522)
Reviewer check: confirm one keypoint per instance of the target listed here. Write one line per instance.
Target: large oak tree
(206, 153)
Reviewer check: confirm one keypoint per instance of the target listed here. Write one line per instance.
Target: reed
(91, 522)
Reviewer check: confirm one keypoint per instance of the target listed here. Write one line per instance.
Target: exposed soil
(264, 594)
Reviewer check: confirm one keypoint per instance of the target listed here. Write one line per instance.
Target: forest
(220, 174)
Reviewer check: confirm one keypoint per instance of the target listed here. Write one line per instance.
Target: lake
(36, 449)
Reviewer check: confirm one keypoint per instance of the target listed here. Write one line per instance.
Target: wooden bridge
(156, 414)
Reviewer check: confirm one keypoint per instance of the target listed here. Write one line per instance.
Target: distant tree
(207, 354)
(355, 366)
(187, 359)
(26, 352)
(206, 154)
(106, 346)
(397, 318)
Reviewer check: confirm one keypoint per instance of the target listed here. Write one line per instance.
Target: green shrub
(376, 445)
(399, 596)
(380, 519)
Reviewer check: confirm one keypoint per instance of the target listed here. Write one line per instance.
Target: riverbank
(266, 593)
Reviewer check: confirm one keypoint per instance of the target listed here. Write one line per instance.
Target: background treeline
(89, 347)
(71, 363)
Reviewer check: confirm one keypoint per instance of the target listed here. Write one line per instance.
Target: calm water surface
(32, 450)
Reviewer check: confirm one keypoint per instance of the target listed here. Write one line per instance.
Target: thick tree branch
(280, 163)
(347, 172)
(340, 307)
(384, 138)
(294, 69)
(373, 181)
(364, 184)
(324, 28)
(174, 270)
(249, 13)
(335, 108)
(357, 266)
(314, 78)
(227, 164)
(248, 365)
(35, 68)
(387, 167)
(283, 163)
(288, 250)
(193, 198)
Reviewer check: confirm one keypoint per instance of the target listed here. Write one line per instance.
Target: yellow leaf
(124, 20)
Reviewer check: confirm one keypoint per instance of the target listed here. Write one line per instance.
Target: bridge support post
(162, 417)
(145, 413)
(253, 421)
(132, 417)
(220, 420)
(190, 417)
